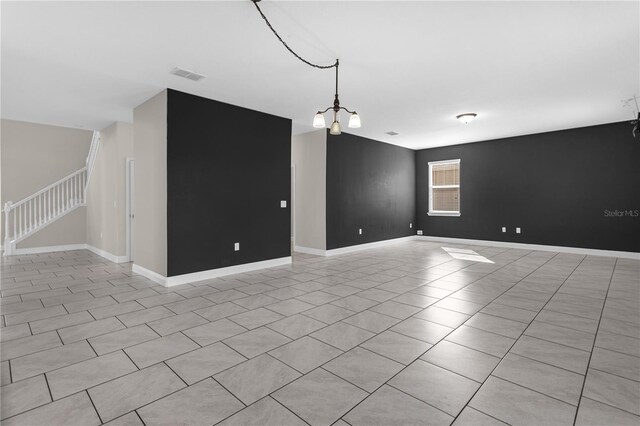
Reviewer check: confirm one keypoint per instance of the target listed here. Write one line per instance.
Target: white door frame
(293, 204)
(130, 208)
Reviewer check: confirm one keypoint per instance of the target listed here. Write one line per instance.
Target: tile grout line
(93, 405)
(10, 372)
(618, 352)
(46, 379)
(286, 408)
(169, 367)
(137, 415)
(595, 337)
(532, 390)
(546, 363)
(609, 405)
(185, 335)
(132, 362)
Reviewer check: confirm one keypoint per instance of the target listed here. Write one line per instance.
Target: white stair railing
(27, 216)
(93, 152)
(38, 210)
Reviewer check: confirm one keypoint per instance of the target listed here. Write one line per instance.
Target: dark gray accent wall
(228, 168)
(573, 188)
(370, 186)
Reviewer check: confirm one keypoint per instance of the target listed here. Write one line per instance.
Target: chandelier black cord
(255, 2)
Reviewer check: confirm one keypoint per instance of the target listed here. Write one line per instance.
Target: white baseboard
(153, 276)
(383, 243)
(50, 249)
(309, 250)
(539, 247)
(505, 244)
(109, 256)
(69, 247)
(209, 274)
(351, 249)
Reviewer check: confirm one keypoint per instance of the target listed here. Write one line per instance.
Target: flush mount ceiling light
(318, 119)
(467, 117)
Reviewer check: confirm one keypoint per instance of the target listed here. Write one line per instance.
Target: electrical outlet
(360, 231)
(504, 229)
(419, 232)
(283, 204)
(236, 246)
(518, 231)
(410, 225)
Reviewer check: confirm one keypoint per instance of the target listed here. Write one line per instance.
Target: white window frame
(442, 212)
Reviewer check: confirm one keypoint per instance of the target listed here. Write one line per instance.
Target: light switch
(360, 231)
(283, 204)
(236, 246)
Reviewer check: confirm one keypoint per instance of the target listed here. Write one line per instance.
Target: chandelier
(318, 119)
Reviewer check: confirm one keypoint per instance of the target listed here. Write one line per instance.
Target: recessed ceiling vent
(392, 133)
(181, 72)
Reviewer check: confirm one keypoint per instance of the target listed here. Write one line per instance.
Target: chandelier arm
(322, 112)
(255, 2)
(350, 112)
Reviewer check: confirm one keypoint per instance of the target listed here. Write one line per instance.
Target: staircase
(26, 217)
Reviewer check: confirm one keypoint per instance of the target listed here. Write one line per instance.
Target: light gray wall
(309, 156)
(150, 153)
(106, 193)
(35, 156)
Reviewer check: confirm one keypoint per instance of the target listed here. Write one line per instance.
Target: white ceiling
(410, 67)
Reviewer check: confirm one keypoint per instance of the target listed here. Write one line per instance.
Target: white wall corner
(109, 256)
(153, 276)
(309, 250)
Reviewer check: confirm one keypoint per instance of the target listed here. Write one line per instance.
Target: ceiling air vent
(181, 72)
(392, 133)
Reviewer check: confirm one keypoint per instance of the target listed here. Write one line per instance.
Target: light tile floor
(398, 335)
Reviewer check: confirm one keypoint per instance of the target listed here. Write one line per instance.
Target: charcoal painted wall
(228, 168)
(370, 186)
(556, 186)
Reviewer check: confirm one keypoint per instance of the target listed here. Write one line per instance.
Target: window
(444, 188)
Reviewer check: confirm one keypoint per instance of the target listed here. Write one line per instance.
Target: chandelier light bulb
(318, 121)
(335, 128)
(354, 121)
